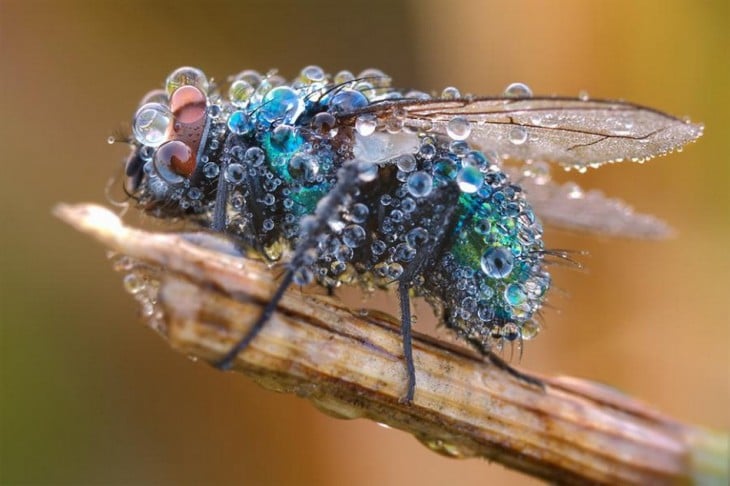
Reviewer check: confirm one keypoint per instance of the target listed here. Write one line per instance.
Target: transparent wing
(568, 206)
(572, 132)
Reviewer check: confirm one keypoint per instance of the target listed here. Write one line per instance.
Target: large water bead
(366, 124)
(353, 235)
(240, 92)
(186, 76)
(367, 171)
(303, 167)
(151, 123)
(281, 104)
(325, 124)
(239, 123)
(497, 262)
(376, 77)
(235, 173)
(174, 161)
(359, 213)
(404, 252)
(254, 156)
(312, 74)
(458, 128)
(419, 184)
(515, 295)
(518, 90)
(469, 179)
(284, 139)
(417, 237)
(406, 163)
(347, 101)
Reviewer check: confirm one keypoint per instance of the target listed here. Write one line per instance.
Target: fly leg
(311, 228)
(426, 255)
(405, 325)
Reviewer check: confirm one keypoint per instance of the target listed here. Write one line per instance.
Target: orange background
(89, 395)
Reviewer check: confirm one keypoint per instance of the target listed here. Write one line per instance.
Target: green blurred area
(90, 396)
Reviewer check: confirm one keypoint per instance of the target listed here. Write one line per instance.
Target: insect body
(351, 181)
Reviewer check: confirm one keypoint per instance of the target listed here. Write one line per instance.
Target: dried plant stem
(350, 365)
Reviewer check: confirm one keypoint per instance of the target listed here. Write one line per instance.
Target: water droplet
(497, 262)
(366, 124)
(151, 123)
(347, 101)
(417, 237)
(240, 93)
(254, 156)
(427, 150)
(419, 184)
(394, 271)
(359, 213)
(518, 135)
(404, 252)
(367, 171)
(235, 173)
(458, 128)
(378, 247)
(313, 74)
(303, 167)
(530, 329)
(469, 179)
(583, 95)
(239, 123)
(406, 163)
(186, 76)
(483, 227)
(251, 76)
(281, 104)
(353, 235)
(134, 283)
(515, 295)
(450, 93)
(325, 124)
(343, 77)
(518, 90)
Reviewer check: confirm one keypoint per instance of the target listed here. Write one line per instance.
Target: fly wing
(572, 132)
(567, 206)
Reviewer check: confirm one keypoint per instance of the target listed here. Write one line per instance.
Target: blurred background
(89, 395)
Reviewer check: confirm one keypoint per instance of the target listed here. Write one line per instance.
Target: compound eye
(188, 104)
(174, 161)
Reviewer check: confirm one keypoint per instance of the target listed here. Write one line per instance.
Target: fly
(349, 180)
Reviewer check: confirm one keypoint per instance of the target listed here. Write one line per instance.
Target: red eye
(174, 161)
(188, 105)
